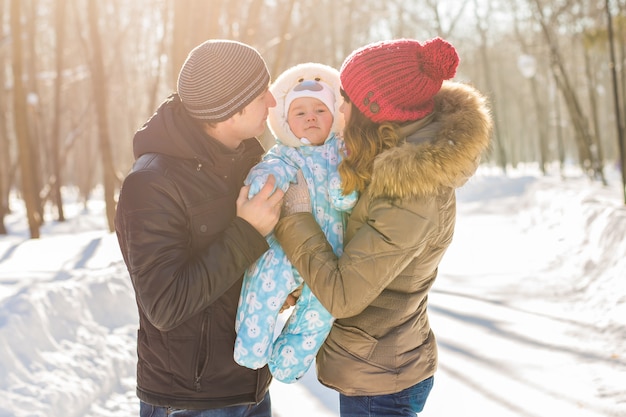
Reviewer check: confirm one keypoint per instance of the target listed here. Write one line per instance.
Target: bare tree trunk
(349, 26)
(484, 56)
(559, 129)
(5, 160)
(180, 45)
(451, 23)
(538, 101)
(154, 90)
(593, 105)
(251, 26)
(37, 144)
(587, 155)
(194, 22)
(5, 154)
(101, 101)
(620, 121)
(55, 167)
(544, 157)
(621, 47)
(282, 41)
(29, 191)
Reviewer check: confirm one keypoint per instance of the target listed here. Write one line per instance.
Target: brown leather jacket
(186, 252)
(397, 234)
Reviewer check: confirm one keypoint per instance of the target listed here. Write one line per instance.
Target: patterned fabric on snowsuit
(269, 281)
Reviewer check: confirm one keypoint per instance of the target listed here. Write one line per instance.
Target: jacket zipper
(203, 352)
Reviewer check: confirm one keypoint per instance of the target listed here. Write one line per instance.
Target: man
(187, 232)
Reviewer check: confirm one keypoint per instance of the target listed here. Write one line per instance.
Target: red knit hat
(397, 80)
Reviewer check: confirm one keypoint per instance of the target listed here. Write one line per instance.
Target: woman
(411, 141)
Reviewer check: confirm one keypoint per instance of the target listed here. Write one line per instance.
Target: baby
(307, 126)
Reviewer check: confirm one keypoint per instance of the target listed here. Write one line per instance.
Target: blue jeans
(406, 403)
(262, 409)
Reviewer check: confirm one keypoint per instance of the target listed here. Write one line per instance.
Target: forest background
(81, 76)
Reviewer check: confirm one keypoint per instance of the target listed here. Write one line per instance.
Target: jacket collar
(171, 131)
(440, 152)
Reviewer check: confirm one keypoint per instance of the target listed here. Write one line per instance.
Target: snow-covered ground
(529, 310)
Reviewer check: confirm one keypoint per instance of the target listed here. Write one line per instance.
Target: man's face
(251, 120)
(248, 123)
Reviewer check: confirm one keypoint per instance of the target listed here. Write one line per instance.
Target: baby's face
(309, 118)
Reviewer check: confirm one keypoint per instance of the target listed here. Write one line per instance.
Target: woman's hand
(297, 198)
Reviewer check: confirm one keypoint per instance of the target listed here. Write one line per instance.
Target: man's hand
(262, 211)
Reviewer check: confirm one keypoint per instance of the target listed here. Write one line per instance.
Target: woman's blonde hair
(364, 140)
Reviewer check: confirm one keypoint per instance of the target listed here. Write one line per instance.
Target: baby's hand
(292, 299)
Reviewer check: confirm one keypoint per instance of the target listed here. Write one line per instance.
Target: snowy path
(498, 360)
(512, 341)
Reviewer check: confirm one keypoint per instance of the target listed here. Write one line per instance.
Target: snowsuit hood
(285, 82)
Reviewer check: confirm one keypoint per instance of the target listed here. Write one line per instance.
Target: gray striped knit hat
(219, 78)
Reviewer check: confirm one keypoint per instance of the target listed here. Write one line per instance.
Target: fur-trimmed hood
(442, 153)
(285, 82)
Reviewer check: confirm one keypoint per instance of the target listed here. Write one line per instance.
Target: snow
(529, 309)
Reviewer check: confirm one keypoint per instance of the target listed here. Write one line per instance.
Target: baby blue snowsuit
(269, 281)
